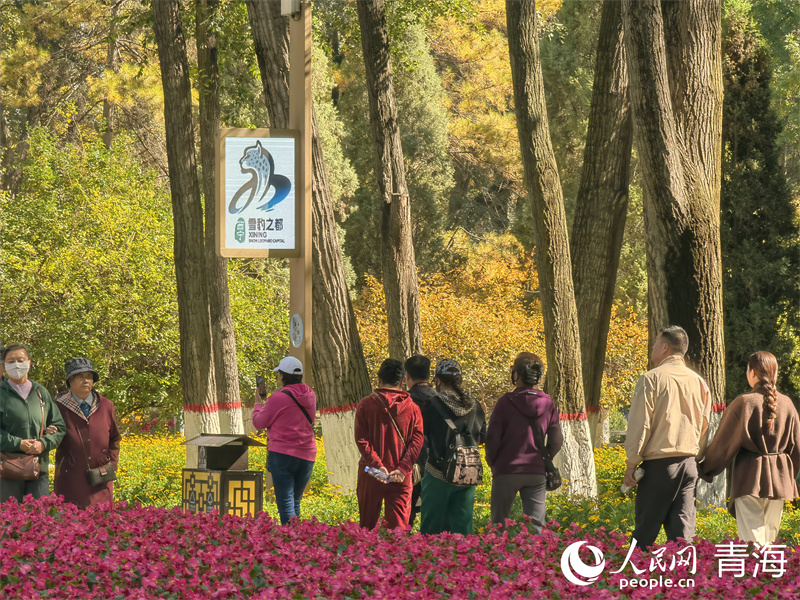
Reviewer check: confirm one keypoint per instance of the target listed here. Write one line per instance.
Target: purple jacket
(510, 446)
(288, 430)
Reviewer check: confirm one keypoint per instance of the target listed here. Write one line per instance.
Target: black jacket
(436, 429)
(422, 394)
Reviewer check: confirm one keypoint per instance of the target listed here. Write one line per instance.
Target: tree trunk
(223, 341)
(602, 205)
(340, 371)
(190, 267)
(564, 380)
(398, 263)
(677, 105)
(113, 64)
(271, 41)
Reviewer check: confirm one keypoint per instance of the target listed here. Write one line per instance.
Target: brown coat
(766, 464)
(96, 439)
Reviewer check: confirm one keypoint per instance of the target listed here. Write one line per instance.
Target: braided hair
(765, 367)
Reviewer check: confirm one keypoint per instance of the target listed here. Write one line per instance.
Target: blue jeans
(290, 476)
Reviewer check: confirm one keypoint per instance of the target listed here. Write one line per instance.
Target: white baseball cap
(290, 365)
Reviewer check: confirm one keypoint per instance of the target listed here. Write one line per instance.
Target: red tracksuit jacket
(377, 438)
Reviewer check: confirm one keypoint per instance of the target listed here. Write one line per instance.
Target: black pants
(415, 503)
(666, 496)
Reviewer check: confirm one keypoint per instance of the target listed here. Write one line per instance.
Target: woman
(512, 451)
(92, 438)
(23, 403)
(288, 416)
(760, 434)
(446, 505)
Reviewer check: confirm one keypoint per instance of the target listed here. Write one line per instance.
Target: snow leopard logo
(257, 161)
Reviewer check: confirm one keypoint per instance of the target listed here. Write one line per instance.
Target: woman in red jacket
(92, 438)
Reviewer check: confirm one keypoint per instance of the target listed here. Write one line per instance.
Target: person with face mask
(30, 423)
(91, 442)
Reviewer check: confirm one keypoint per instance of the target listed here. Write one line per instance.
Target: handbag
(101, 475)
(416, 472)
(21, 466)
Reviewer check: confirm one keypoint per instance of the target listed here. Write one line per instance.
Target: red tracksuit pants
(396, 498)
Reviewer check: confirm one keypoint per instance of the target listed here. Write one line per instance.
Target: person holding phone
(288, 416)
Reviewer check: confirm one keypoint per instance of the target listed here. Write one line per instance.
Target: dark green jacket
(21, 419)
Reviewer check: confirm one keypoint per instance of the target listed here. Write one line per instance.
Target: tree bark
(340, 371)
(564, 379)
(112, 63)
(602, 204)
(223, 340)
(398, 262)
(676, 97)
(197, 377)
(271, 41)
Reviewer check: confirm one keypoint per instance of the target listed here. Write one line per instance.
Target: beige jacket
(669, 413)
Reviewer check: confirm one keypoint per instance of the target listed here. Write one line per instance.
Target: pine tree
(760, 241)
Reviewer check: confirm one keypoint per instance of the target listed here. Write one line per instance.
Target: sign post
(300, 120)
(264, 190)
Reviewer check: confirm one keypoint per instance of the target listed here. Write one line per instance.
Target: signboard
(257, 203)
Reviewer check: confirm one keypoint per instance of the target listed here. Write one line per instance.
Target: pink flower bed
(51, 550)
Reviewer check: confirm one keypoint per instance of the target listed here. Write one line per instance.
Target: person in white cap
(288, 416)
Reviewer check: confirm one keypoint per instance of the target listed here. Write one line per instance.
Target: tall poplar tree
(340, 371)
(223, 340)
(564, 380)
(398, 261)
(197, 374)
(674, 61)
(602, 204)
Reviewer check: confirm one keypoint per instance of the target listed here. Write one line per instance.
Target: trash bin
(222, 482)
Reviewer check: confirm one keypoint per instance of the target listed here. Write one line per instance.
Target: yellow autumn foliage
(486, 310)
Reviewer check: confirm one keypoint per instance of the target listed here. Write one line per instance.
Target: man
(667, 428)
(418, 373)
(388, 432)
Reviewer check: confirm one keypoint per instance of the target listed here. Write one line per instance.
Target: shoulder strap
(440, 407)
(41, 400)
(391, 418)
(300, 406)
